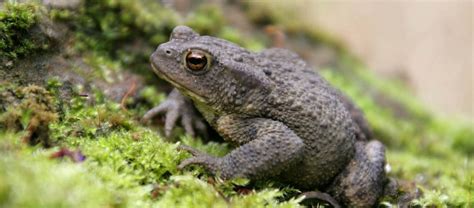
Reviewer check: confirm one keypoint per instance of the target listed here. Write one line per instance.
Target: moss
(127, 32)
(207, 20)
(213, 148)
(82, 121)
(27, 183)
(30, 178)
(28, 108)
(141, 156)
(103, 67)
(458, 133)
(125, 166)
(100, 25)
(151, 95)
(123, 30)
(205, 195)
(16, 22)
(443, 181)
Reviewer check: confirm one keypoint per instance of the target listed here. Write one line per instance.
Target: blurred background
(426, 44)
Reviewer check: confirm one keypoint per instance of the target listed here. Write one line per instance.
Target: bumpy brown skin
(289, 124)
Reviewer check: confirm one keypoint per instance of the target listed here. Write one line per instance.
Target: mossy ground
(127, 164)
(15, 21)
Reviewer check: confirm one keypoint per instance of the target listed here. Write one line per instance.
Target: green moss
(103, 68)
(443, 181)
(213, 148)
(205, 195)
(26, 182)
(30, 108)
(126, 165)
(458, 133)
(151, 95)
(31, 178)
(16, 21)
(103, 24)
(91, 122)
(60, 14)
(141, 156)
(206, 20)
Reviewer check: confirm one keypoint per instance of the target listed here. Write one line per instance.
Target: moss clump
(27, 181)
(81, 120)
(207, 19)
(140, 156)
(111, 26)
(16, 22)
(30, 108)
(460, 133)
(205, 195)
(103, 68)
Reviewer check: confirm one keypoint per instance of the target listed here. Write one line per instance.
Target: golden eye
(196, 60)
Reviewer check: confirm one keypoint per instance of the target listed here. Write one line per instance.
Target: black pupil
(196, 61)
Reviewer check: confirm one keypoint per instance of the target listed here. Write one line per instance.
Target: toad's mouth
(181, 88)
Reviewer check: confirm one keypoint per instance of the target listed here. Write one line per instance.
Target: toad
(286, 121)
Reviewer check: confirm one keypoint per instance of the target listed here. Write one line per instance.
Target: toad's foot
(175, 107)
(321, 197)
(266, 148)
(361, 183)
(199, 158)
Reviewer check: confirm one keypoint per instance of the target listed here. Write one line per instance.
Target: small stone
(63, 4)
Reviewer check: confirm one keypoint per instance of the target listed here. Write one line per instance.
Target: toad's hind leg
(361, 183)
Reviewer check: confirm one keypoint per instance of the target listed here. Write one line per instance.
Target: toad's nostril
(164, 49)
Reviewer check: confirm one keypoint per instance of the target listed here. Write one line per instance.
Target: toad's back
(309, 106)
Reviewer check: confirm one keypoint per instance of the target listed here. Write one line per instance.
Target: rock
(63, 4)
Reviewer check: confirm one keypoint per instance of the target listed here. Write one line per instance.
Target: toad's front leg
(177, 106)
(266, 148)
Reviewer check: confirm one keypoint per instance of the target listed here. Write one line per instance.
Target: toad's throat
(180, 87)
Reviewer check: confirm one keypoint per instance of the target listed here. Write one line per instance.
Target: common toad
(287, 122)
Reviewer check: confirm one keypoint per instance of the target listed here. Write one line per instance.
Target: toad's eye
(197, 60)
